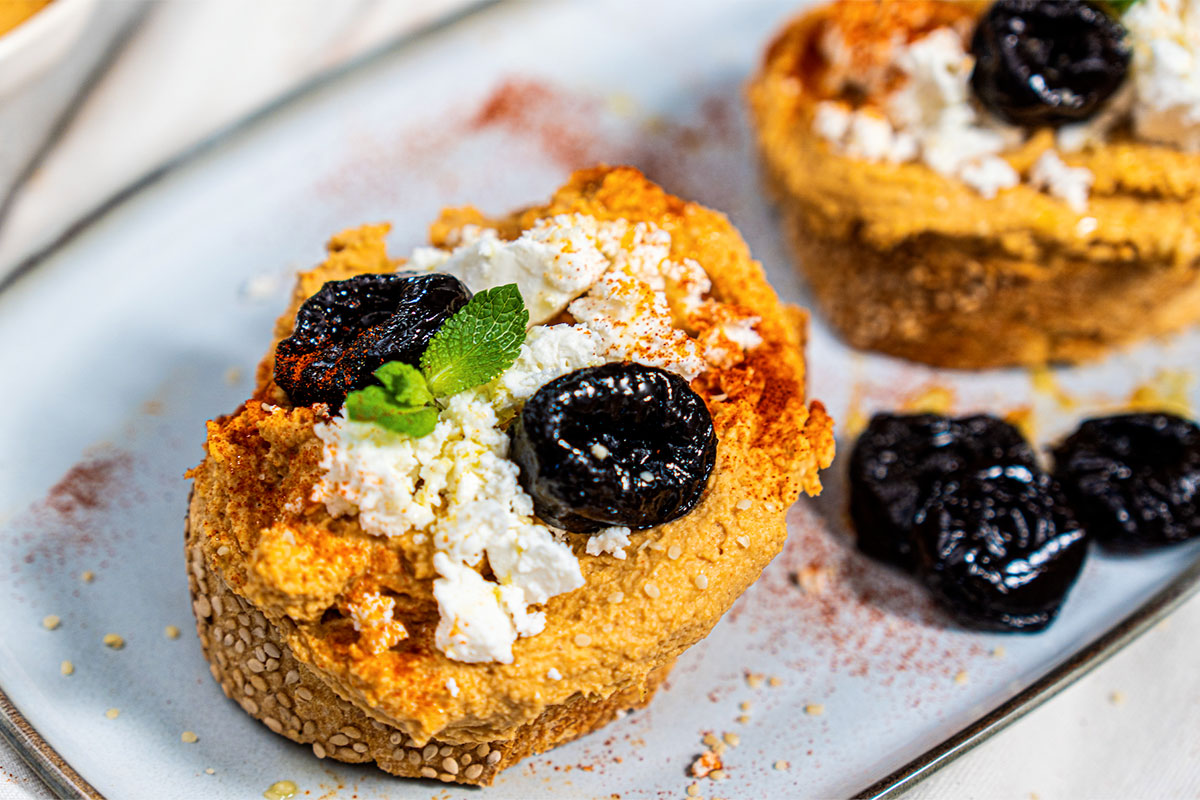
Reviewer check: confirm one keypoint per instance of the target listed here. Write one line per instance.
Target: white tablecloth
(1130, 729)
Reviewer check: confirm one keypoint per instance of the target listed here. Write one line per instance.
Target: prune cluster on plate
(962, 503)
(899, 457)
(349, 328)
(1134, 479)
(1000, 547)
(619, 444)
(1047, 62)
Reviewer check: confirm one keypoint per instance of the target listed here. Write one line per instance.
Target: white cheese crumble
(553, 674)
(929, 119)
(551, 263)
(455, 489)
(932, 119)
(548, 352)
(456, 485)
(635, 323)
(1069, 184)
(1165, 35)
(475, 624)
(630, 293)
(729, 335)
(863, 133)
(452, 687)
(610, 540)
(372, 615)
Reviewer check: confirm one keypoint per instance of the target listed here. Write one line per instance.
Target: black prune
(1047, 62)
(619, 444)
(999, 547)
(897, 459)
(349, 328)
(1134, 479)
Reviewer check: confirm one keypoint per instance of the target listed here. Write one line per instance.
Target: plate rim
(46, 762)
(64, 781)
(1079, 663)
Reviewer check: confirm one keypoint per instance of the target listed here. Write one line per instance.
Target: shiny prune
(898, 458)
(1047, 62)
(349, 328)
(999, 547)
(1134, 479)
(619, 444)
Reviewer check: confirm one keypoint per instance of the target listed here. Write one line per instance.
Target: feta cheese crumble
(1165, 35)
(372, 615)
(551, 263)
(457, 486)
(1069, 184)
(930, 119)
(634, 322)
(610, 540)
(548, 352)
(455, 490)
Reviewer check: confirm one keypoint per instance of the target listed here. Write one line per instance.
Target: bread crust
(250, 658)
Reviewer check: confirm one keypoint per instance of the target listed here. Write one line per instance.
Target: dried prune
(999, 547)
(897, 459)
(619, 444)
(1134, 479)
(1047, 62)
(349, 328)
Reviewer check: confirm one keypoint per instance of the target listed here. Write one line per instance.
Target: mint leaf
(478, 343)
(403, 404)
(405, 383)
(475, 345)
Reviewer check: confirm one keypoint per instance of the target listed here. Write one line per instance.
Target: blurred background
(96, 95)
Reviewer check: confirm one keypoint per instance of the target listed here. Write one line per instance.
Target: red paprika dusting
(85, 485)
(555, 118)
(74, 520)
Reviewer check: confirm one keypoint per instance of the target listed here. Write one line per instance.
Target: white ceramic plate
(119, 344)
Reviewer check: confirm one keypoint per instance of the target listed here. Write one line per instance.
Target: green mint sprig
(480, 341)
(402, 404)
